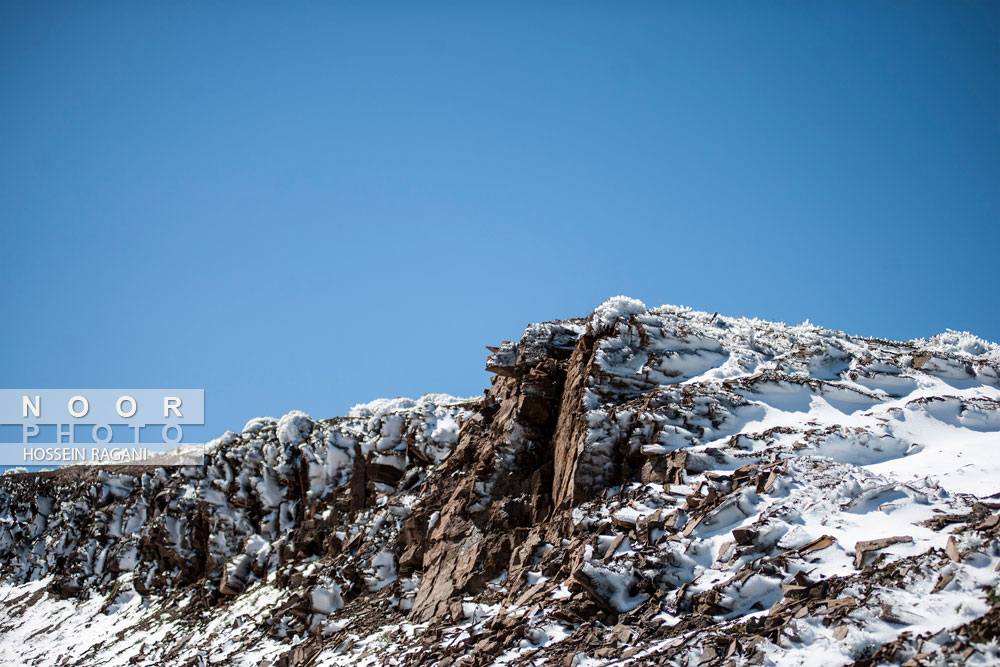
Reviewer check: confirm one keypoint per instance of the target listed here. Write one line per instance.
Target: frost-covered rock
(964, 343)
(258, 423)
(294, 427)
(608, 313)
(638, 486)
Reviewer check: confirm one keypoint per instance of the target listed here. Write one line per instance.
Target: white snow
(294, 427)
(606, 315)
(868, 439)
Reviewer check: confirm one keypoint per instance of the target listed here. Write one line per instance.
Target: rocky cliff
(636, 487)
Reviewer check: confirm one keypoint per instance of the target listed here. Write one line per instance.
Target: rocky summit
(639, 486)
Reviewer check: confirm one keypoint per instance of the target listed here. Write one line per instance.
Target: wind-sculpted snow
(641, 486)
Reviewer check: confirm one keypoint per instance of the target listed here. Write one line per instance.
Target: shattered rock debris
(636, 487)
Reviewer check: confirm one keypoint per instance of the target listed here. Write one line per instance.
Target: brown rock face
(644, 487)
(571, 429)
(520, 446)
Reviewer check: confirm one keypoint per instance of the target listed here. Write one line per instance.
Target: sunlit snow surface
(873, 439)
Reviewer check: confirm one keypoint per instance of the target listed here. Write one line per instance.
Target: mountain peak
(636, 486)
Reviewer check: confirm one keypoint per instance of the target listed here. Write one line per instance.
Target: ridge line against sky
(310, 209)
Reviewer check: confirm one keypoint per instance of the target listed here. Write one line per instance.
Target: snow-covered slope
(639, 486)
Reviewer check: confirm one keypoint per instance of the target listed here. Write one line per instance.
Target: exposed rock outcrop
(645, 486)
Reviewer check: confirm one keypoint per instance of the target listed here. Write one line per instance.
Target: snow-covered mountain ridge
(640, 486)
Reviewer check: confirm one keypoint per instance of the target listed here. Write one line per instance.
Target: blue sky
(308, 208)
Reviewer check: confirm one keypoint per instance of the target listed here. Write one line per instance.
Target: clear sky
(308, 207)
